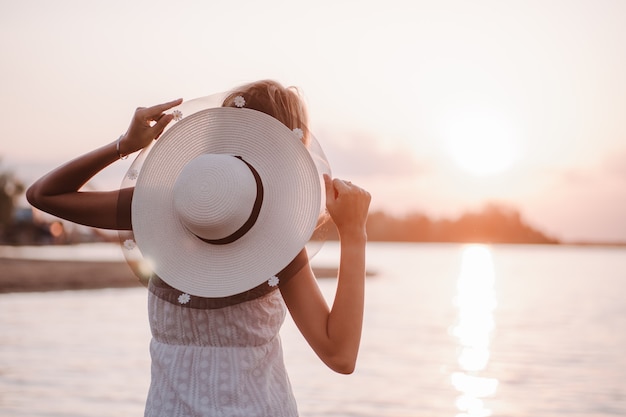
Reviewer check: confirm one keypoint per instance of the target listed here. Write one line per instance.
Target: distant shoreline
(29, 275)
(596, 244)
(37, 275)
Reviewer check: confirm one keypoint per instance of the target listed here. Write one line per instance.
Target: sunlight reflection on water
(532, 331)
(475, 301)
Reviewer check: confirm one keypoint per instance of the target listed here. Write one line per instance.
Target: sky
(437, 107)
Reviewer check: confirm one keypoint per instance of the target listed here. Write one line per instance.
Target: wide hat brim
(287, 218)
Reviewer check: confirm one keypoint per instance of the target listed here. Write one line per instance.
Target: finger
(160, 108)
(331, 194)
(340, 186)
(160, 125)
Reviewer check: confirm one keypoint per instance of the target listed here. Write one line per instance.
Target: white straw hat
(224, 200)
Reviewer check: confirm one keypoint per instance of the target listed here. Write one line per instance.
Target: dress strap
(161, 289)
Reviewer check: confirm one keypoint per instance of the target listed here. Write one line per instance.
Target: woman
(221, 355)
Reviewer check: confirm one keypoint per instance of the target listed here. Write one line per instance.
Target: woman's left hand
(348, 206)
(147, 125)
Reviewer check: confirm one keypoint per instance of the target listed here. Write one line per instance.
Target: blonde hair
(270, 97)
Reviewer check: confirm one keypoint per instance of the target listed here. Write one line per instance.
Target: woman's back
(218, 362)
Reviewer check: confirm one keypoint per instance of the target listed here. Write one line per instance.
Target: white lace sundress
(218, 362)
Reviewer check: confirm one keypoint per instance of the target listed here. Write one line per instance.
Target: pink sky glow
(433, 106)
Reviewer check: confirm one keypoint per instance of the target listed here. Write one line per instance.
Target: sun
(481, 144)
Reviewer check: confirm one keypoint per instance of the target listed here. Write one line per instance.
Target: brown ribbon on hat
(254, 215)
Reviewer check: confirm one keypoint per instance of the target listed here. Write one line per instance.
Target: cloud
(585, 202)
(359, 154)
(615, 164)
(610, 168)
(576, 177)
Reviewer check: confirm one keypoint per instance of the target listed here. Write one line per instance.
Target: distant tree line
(493, 224)
(10, 189)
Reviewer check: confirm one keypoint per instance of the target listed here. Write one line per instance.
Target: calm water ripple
(450, 330)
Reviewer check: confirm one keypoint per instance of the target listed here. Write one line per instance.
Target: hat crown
(214, 195)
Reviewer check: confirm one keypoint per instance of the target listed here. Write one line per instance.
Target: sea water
(449, 330)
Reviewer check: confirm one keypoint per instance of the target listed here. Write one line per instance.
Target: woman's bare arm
(58, 192)
(335, 334)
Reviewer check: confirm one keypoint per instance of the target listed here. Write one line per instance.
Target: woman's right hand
(58, 192)
(147, 125)
(348, 206)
